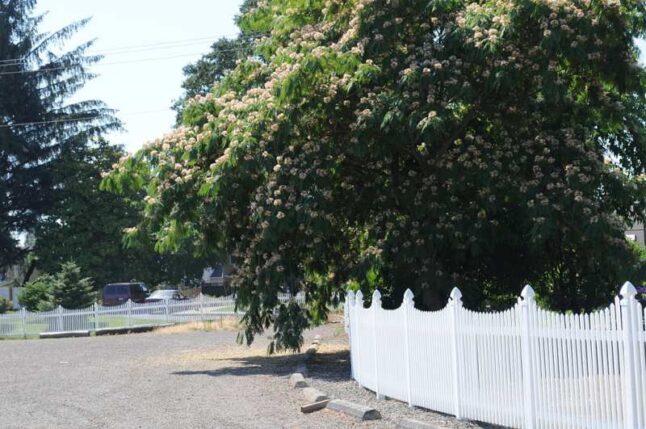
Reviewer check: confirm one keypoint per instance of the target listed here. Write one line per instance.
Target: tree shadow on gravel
(326, 366)
(334, 366)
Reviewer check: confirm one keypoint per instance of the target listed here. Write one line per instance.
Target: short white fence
(128, 315)
(524, 367)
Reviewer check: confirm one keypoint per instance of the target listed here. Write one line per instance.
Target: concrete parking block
(297, 381)
(360, 412)
(310, 408)
(314, 395)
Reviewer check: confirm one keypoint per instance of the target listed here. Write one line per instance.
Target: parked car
(164, 295)
(119, 293)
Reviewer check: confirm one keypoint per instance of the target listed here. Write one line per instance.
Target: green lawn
(33, 328)
(15, 328)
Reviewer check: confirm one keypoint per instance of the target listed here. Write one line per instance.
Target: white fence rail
(524, 367)
(128, 315)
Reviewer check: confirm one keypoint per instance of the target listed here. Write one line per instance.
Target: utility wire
(77, 119)
(124, 52)
(149, 46)
(143, 60)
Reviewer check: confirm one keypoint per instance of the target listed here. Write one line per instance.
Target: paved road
(189, 380)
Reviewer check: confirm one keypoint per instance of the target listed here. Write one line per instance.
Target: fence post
(201, 307)
(167, 310)
(375, 306)
(347, 324)
(129, 306)
(528, 307)
(628, 293)
(23, 319)
(95, 308)
(455, 304)
(358, 306)
(409, 305)
(60, 318)
(349, 301)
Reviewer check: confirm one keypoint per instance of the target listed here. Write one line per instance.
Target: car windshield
(163, 294)
(116, 290)
(217, 271)
(140, 287)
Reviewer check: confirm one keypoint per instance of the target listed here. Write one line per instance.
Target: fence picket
(409, 304)
(523, 367)
(529, 399)
(358, 307)
(374, 307)
(628, 293)
(23, 321)
(455, 306)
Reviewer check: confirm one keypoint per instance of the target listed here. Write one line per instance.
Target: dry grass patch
(332, 348)
(228, 324)
(235, 359)
(229, 354)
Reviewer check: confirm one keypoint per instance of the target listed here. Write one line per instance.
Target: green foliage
(70, 289)
(67, 288)
(85, 224)
(37, 294)
(639, 268)
(289, 324)
(5, 305)
(200, 76)
(407, 144)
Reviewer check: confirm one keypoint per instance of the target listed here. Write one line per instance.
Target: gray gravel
(191, 380)
(330, 372)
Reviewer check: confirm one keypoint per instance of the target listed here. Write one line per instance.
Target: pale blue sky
(144, 90)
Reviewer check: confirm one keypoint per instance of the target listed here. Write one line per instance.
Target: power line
(77, 119)
(149, 46)
(122, 52)
(51, 69)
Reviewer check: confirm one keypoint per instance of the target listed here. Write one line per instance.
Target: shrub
(5, 305)
(37, 294)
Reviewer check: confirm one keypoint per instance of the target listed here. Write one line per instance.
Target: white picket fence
(127, 315)
(524, 367)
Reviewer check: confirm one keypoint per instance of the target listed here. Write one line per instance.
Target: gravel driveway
(191, 380)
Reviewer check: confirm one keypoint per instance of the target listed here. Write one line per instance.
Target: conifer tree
(37, 119)
(70, 289)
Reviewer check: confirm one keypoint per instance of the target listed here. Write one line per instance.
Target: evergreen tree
(70, 289)
(86, 225)
(37, 120)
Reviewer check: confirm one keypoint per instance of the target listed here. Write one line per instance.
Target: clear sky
(144, 90)
(143, 82)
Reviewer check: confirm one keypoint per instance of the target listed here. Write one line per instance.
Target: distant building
(10, 281)
(636, 233)
(216, 280)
